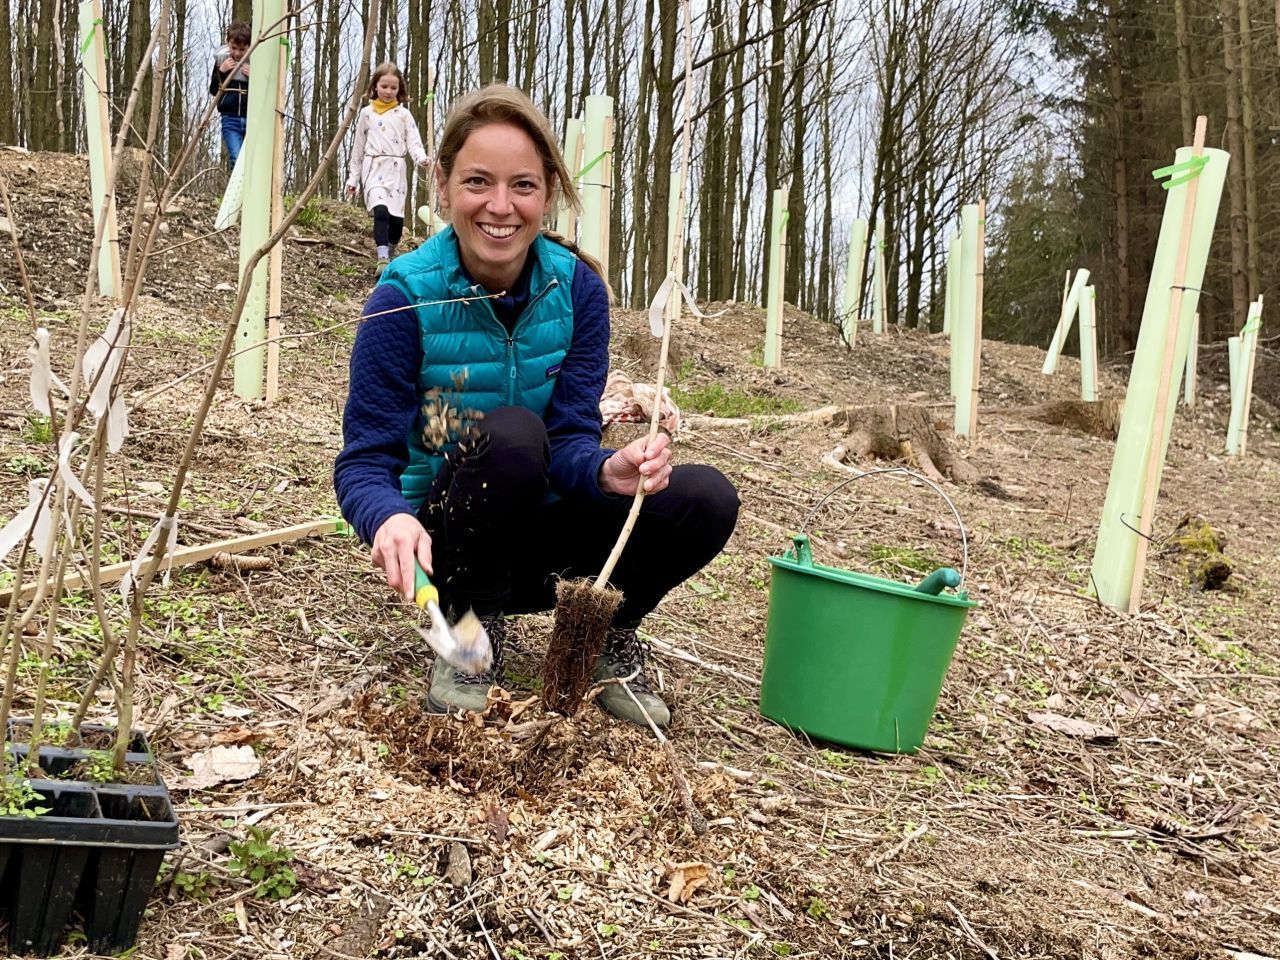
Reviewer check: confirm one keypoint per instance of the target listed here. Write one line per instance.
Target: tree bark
(178, 82)
(796, 247)
(663, 145)
(713, 188)
(1124, 325)
(641, 179)
(1249, 133)
(1235, 173)
(1184, 70)
(8, 126)
(731, 239)
(773, 126)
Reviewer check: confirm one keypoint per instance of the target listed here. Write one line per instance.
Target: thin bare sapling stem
(130, 642)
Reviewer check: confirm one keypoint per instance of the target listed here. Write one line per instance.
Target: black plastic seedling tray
(96, 853)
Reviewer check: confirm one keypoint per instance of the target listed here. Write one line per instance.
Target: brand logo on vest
(553, 370)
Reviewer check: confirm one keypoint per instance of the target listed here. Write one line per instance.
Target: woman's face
(388, 87)
(496, 197)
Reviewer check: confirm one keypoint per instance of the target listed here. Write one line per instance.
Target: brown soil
(1001, 838)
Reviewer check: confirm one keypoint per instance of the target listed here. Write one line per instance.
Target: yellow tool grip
(424, 591)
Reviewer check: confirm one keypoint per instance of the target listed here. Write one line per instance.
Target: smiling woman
(472, 427)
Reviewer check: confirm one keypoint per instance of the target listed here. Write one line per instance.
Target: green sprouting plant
(257, 860)
(98, 766)
(404, 868)
(194, 885)
(19, 799)
(836, 760)
(817, 908)
(609, 929)
(25, 465)
(37, 429)
(312, 216)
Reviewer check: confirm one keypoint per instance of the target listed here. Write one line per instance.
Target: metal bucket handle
(964, 537)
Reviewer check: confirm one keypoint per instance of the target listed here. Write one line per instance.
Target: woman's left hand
(638, 460)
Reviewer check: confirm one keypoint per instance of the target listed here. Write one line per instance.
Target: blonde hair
(500, 103)
(382, 70)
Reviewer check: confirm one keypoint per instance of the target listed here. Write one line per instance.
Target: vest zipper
(511, 338)
(511, 369)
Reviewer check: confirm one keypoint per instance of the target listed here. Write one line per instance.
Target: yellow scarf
(380, 108)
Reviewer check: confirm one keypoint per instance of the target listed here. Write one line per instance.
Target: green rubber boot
(624, 655)
(452, 689)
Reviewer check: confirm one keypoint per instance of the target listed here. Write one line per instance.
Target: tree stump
(902, 431)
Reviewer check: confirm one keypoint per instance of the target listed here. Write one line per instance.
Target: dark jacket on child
(234, 101)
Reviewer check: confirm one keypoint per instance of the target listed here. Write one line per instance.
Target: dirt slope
(1003, 837)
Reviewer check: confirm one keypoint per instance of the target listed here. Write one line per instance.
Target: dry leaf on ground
(1071, 727)
(219, 765)
(686, 878)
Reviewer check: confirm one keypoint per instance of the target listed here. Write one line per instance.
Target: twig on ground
(971, 934)
(696, 820)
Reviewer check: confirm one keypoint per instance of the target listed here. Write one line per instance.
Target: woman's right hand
(351, 190)
(400, 540)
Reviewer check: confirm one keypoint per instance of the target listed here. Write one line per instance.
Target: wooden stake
(1156, 446)
(977, 319)
(184, 556)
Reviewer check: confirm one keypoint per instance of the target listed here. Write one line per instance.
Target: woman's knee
(711, 500)
(517, 438)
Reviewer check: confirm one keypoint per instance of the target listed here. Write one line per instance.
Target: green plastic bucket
(852, 658)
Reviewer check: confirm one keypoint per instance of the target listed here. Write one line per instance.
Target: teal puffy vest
(469, 363)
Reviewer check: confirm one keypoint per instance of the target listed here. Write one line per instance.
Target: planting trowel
(465, 645)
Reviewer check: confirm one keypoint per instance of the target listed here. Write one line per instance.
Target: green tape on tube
(84, 47)
(1179, 173)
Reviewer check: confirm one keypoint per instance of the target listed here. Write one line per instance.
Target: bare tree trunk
(1120, 183)
(663, 144)
(502, 38)
(641, 181)
(1184, 70)
(773, 124)
(531, 50)
(796, 247)
(570, 108)
(732, 265)
(8, 126)
(294, 175)
(711, 254)
(616, 86)
(1249, 133)
(178, 82)
(44, 134)
(334, 98)
(137, 36)
(1235, 175)
(825, 296)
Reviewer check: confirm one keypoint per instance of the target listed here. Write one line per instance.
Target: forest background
(1055, 112)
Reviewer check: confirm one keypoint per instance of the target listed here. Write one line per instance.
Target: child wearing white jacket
(385, 132)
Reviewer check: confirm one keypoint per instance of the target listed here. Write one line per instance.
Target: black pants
(387, 229)
(498, 547)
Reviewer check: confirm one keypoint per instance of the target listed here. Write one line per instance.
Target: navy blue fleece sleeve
(381, 406)
(573, 415)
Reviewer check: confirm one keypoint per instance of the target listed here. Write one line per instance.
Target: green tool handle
(424, 591)
(939, 580)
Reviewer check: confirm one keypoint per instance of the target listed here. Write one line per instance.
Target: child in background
(385, 132)
(233, 103)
